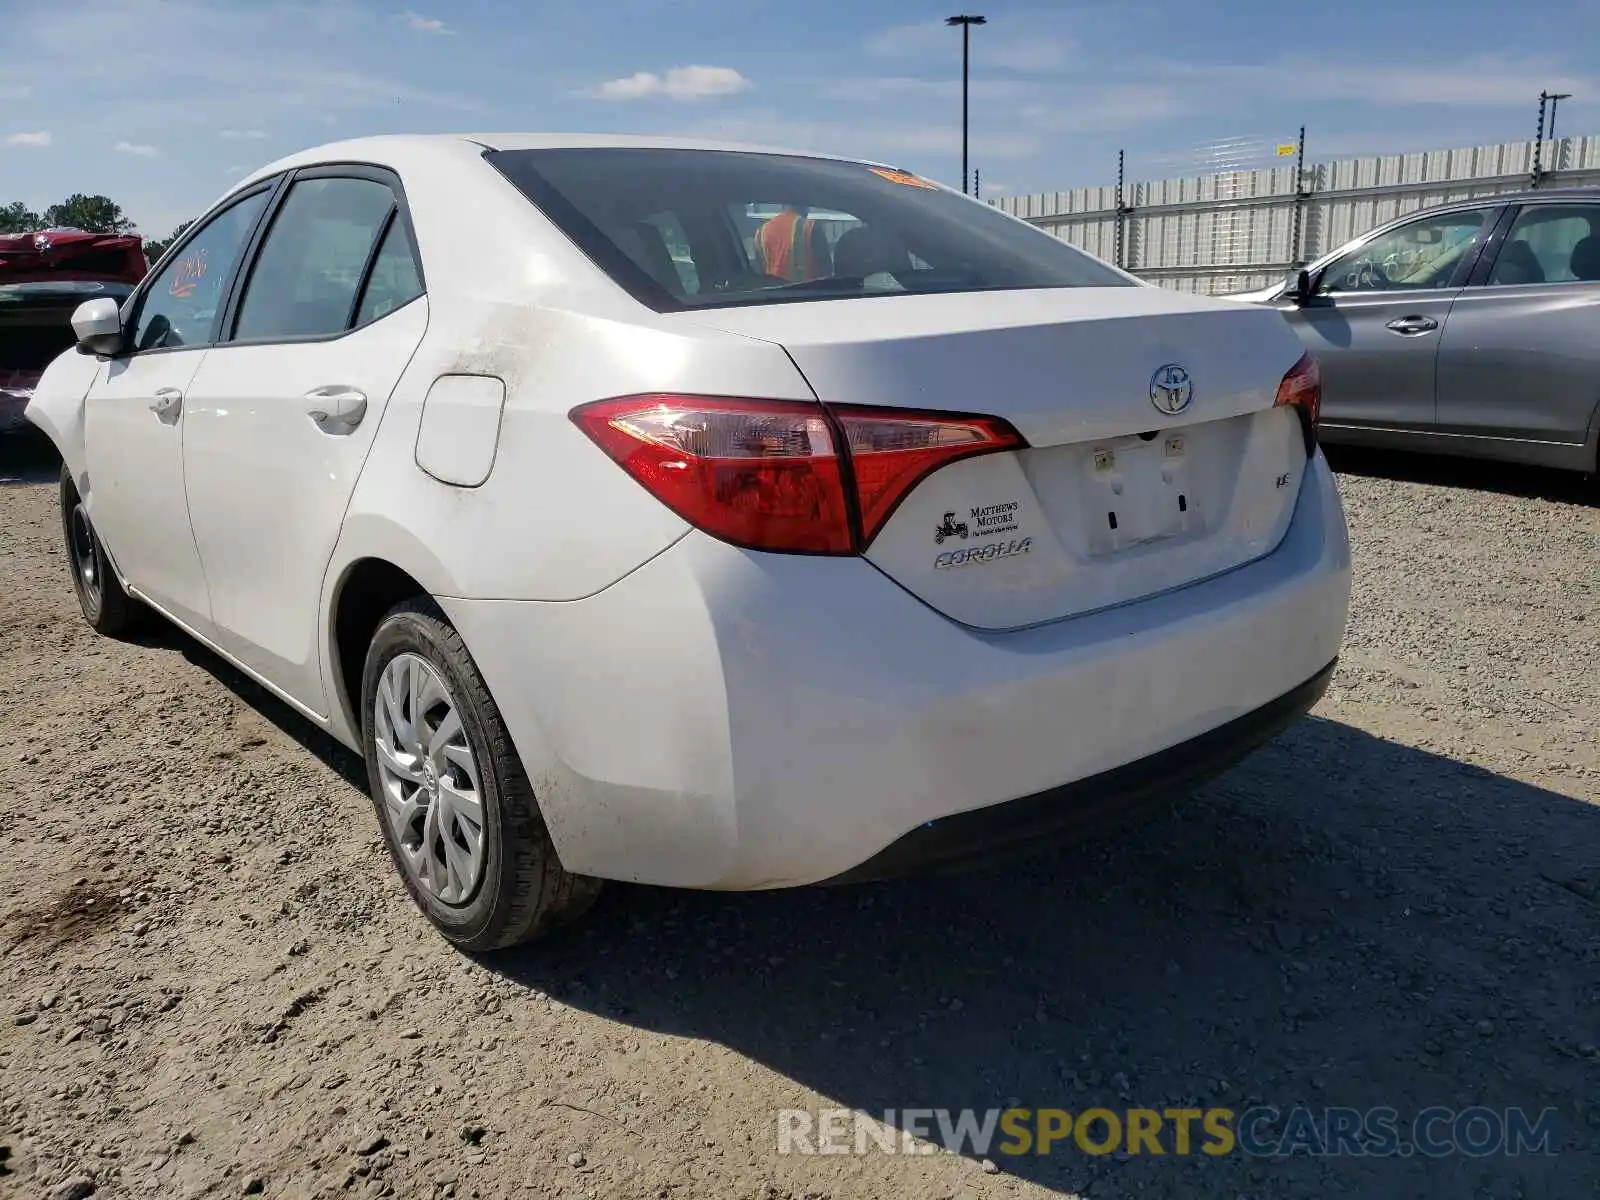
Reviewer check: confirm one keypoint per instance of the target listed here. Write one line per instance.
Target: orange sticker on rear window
(904, 177)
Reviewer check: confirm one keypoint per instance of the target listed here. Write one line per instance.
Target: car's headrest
(1585, 262)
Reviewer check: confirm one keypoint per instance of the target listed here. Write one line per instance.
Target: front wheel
(106, 606)
(456, 808)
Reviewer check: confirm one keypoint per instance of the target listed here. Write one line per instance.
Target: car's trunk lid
(1114, 499)
(44, 276)
(58, 255)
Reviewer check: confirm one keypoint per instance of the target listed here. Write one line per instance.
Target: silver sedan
(1468, 328)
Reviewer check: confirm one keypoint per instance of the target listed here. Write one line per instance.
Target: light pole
(966, 22)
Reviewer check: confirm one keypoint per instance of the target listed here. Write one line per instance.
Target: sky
(160, 104)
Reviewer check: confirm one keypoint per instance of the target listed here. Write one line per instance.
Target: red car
(44, 276)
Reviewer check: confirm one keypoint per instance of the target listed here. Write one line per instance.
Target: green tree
(97, 214)
(154, 248)
(17, 217)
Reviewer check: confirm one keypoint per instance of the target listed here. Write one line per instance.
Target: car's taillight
(891, 452)
(764, 474)
(780, 474)
(1302, 388)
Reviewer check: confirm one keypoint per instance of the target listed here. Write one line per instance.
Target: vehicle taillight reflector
(891, 452)
(756, 473)
(1302, 388)
(779, 474)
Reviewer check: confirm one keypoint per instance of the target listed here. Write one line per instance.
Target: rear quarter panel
(1521, 361)
(556, 519)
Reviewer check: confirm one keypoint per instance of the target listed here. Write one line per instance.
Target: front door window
(1431, 252)
(179, 308)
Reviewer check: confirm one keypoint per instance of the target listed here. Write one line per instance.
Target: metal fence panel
(1235, 230)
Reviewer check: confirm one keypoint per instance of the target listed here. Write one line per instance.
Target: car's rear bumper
(1033, 822)
(728, 719)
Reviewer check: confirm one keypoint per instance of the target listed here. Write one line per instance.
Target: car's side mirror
(98, 326)
(1299, 287)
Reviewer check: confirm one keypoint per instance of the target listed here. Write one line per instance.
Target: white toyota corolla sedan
(698, 515)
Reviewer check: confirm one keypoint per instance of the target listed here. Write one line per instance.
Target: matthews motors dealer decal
(985, 521)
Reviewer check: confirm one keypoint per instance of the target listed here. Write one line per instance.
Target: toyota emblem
(1171, 390)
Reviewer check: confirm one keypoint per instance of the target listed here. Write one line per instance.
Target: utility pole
(966, 22)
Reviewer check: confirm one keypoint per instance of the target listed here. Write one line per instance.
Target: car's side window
(1551, 243)
(395, 279)
(309, 269)
(179, 308)
(1426, 253)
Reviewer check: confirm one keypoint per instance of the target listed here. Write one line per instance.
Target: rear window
(686, 229)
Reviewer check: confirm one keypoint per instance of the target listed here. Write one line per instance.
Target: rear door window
(1551, 243)
(310, 269)
(684, 229)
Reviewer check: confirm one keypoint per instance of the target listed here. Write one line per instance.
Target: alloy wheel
(430, 783)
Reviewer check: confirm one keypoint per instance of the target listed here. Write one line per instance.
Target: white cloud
(39, 137)
(1038, 52)
(677, 83)
(241, 135)
(1486, 81)
(878, 89)
(909, 41)
(424, 24)
(223, 65)
(139, 149)
(1110, 107)
(1029, 56)
(897, 143)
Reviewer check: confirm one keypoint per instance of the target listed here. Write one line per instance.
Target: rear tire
(106, 606)
(457, 812)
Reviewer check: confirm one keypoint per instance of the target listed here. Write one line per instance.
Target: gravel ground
(212, 983)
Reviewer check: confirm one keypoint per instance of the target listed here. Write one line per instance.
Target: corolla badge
(1171, 389)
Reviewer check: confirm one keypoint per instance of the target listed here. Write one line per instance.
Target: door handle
(1411, 326)
(336, 405)
(167, 402)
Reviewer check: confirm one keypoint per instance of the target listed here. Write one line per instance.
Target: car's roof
(424, 149)
(550, 141)
(1587, 192)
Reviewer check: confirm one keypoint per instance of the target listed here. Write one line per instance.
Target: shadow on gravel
(27, 456)
(1340, 921)
(1533, 483)
(338, 758)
